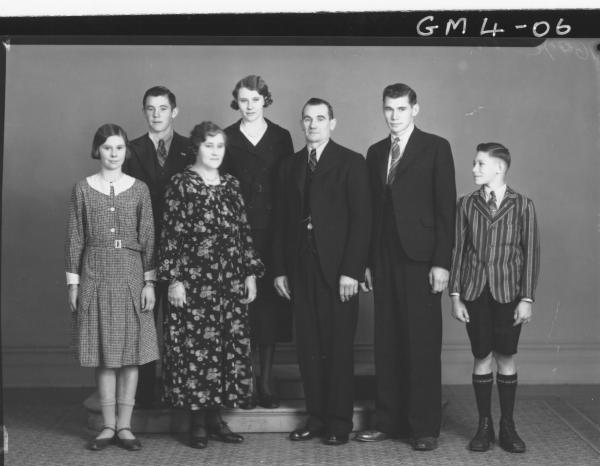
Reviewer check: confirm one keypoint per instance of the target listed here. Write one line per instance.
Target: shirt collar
(320, 148)
(168, 138)
(404, 136)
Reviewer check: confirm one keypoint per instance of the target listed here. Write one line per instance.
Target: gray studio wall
(542, 103)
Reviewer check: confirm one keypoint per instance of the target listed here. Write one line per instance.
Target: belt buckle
(118, 244)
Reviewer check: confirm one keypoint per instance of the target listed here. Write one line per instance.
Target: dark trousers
(325, 330)
(408, 341)
(146, 393)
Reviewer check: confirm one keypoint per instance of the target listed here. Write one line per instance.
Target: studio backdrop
(541, 102)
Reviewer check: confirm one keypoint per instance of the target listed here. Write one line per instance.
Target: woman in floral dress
(109, 260)
(207, 255)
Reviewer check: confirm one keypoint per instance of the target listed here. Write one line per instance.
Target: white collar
(99, 184)
(320, 148)
(404, 136)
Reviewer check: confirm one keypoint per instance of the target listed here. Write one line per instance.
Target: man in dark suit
(322, 228)
(154, 158)
(413, 190)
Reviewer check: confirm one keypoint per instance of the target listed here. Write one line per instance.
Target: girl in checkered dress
(111, 273)
(207, 255)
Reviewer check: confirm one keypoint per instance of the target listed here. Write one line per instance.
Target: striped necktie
(493, 206)
(396, 156)
(312, 160)
(161, 152)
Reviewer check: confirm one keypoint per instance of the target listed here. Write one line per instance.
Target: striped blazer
(501, 250)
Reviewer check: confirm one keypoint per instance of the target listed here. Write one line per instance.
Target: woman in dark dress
(255, 148)
(207, 256)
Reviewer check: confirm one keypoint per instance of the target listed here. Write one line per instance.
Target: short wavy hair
(103, 133)
(495, 149)
(158, 91)
(394, 91)
(252, 82)
(201, 132)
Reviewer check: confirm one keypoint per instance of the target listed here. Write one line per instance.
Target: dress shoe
(198, 437)
(304, 433)
(268, 401)
(223, 433)
(249, 403)
(484, 436)
(335, 439)
(425, 443)
(132, 444)
(509, 439)
(371, 436)
(97, 444)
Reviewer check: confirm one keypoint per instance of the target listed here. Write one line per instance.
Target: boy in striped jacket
(495, 266)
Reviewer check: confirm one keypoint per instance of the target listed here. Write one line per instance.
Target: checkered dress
(112, 330)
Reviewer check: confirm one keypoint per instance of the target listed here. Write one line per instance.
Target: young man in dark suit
(495, 266)
(414, 193)
(155, 157)
(322, 228)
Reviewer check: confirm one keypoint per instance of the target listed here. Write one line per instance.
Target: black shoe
(223, 433)
(268, 401)
(249, 403)
(371, 436)
(425, 443)
(304, 433)
(97, 444)
(484, 436)
(132, 444)
(198, 437)
(335, 439)
(509, 439)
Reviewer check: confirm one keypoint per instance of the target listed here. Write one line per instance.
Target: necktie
(161, 152)
(396, 156)
(492, 203)
(312, 160)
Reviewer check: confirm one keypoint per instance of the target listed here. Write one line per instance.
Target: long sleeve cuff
(72, 278)
(150, 275)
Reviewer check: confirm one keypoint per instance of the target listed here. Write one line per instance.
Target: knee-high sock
(507, 389)
(482, 384)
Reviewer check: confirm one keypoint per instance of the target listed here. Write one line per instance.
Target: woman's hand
(73, 294)
(249, 289)
(176, 294)
(148, 297)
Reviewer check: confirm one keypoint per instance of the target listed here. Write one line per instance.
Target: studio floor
(559, 423)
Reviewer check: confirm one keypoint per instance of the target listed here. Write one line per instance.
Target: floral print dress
(206, 245)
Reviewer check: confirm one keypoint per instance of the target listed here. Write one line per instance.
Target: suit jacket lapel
(383, 159)
(410, 154)
(507, 204)
(481, 205)
(329, 159)
(148, 157)
(300, 165)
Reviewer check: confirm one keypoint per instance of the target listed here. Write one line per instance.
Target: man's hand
(459, 310)
(523, 313)
(367, 285)
(282, 286)
(438, 279)
(348, 288)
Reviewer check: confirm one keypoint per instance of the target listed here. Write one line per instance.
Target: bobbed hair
(394, 91)
(252, 82)
(103, 133)
(202, 131)
(495, 149)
